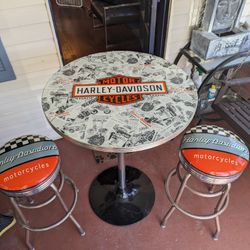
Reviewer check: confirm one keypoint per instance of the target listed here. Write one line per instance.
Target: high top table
(121, 102)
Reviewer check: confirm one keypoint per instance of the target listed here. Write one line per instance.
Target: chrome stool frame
(24, 222)
(30, 165)
(214, 156)
(218, 210)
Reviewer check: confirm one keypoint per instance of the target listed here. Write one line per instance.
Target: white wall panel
(35, 64)
(180, 7)
(28, 39)
(179, 35)
(29, 50)
(10, 4)
(247, 19)
(26, 34)
(180, 21)
(31, 81)
(17, 17)
(246, 11)
(20, 108)
(179, 27)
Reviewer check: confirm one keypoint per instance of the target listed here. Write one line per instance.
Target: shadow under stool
(214, 156)
(29, 165)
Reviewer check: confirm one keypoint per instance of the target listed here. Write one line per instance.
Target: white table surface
(144, 124)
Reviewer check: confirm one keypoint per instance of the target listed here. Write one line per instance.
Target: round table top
(119, 101)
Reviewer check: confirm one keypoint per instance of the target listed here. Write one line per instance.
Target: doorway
(83, 30)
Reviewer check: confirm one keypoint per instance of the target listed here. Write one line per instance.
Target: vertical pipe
(121, 174)
(220, 204)
(152, 26)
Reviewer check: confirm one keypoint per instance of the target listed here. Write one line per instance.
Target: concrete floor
(181, 233)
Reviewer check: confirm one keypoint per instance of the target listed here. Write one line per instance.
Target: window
(6, 71)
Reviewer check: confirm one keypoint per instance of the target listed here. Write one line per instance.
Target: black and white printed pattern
(213, 129)
(21, 141)
(150, 122)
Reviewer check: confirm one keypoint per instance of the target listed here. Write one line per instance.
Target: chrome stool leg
(220, 204)
(82, 232)
(24, 222)
(178, 196)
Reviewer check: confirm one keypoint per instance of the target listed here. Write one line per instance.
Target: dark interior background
(78, 36)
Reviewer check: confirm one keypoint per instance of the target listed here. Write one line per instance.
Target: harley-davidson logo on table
(119, 89)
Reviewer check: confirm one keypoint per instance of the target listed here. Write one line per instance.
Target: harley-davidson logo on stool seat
(119, 89)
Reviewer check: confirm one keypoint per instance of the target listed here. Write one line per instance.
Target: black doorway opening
(81, 31)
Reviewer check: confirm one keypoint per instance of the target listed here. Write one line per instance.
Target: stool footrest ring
(68, 213)
(202, 194)
(200, 217)
(52, 198)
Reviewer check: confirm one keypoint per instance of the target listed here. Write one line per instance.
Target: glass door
(102, 25)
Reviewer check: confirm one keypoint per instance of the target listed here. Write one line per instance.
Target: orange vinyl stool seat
(28, 165)
(213, 155)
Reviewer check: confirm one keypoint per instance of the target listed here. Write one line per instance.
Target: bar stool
(214, 156)
(29, 165)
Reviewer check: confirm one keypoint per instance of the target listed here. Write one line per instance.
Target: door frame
(162, 26)
(53, 29)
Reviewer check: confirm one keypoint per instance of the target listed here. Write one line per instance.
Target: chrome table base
(121, 195)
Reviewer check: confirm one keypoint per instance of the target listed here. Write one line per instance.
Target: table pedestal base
(119, 208)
